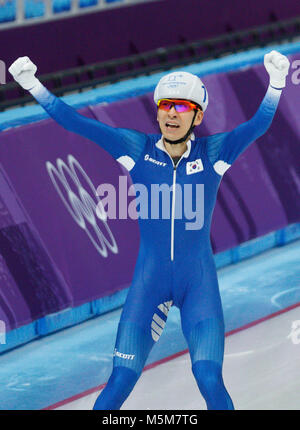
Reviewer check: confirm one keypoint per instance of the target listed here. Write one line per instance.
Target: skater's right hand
(23, 71)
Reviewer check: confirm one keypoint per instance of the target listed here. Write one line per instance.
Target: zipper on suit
(173, 206)
(173, 211)
(173, 203)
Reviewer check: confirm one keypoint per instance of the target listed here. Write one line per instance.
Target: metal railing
(93, 75)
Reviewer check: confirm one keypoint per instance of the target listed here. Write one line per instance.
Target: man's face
(174, 125)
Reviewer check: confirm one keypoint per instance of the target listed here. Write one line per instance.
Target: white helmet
(182, 85)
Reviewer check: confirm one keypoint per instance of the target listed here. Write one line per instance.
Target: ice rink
(261, 371)
(261, 302)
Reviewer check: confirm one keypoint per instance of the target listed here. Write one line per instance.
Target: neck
(176, 150)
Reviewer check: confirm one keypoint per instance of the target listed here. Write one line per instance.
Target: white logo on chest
(159, 163)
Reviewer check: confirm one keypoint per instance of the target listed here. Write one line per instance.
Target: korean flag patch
(194, 166)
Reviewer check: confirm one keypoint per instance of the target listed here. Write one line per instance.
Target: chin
(172, 136)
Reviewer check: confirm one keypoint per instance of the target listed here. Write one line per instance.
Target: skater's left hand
(277, 65)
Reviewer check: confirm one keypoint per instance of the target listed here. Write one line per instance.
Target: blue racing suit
(175, 264)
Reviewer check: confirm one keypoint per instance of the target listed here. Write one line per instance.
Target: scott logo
(159, 163)
(125, 356)
(84, 206)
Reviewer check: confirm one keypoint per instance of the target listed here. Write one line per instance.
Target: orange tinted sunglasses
(179, 105)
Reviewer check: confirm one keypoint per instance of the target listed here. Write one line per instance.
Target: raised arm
(224, 148)
(118, 142)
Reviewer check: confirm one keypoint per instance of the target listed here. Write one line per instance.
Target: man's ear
(199, 117)
(157, 115)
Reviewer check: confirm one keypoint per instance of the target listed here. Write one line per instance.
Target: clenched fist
(277, 65)
(23, 71)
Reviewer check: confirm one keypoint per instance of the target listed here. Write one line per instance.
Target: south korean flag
(194, 166)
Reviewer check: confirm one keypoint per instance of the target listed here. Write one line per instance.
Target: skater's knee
(208, 374)
(117, 389)
(123, 376)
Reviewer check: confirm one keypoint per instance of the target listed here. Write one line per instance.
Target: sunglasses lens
(179, 105)
(165, 105)
(183, 107)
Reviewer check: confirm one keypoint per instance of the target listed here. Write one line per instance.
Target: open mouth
(171, 125)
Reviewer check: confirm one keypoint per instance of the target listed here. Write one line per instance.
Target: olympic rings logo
(83, 204)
